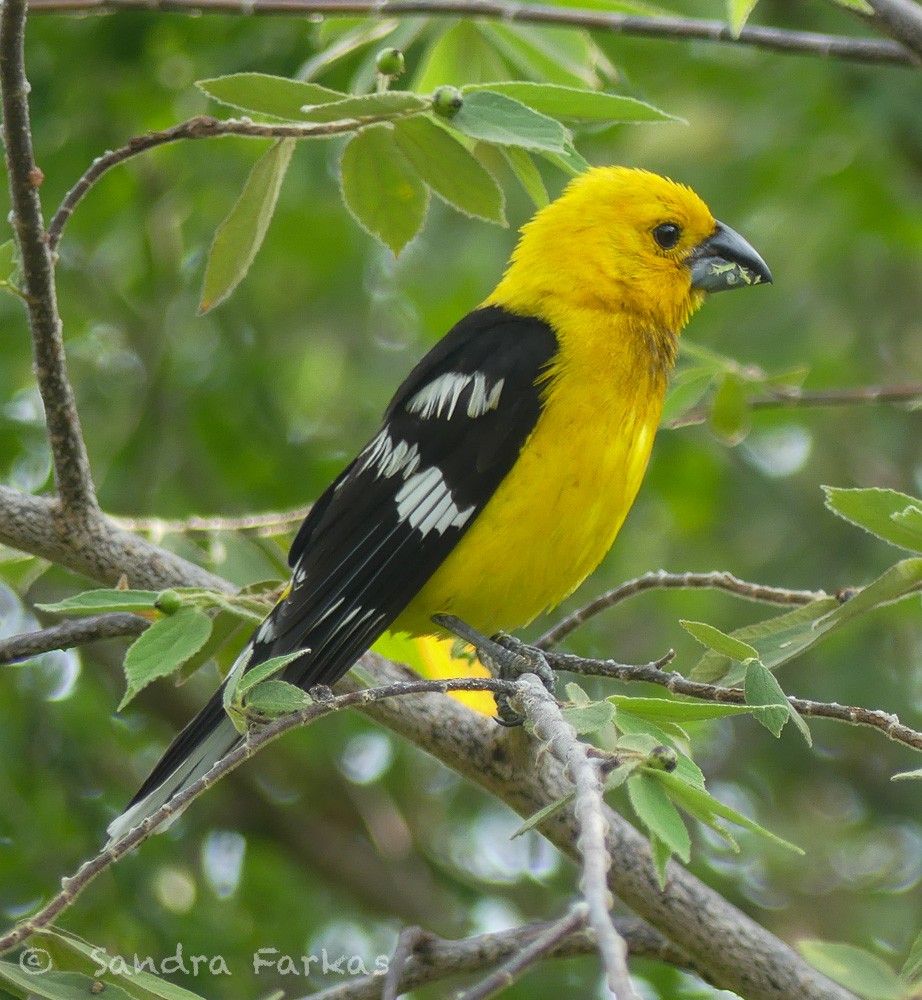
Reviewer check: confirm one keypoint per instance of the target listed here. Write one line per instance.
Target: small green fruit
(447, 101)
(390, 62)
(662, 758)
(168, 602)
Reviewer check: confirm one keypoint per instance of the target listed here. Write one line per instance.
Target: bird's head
(631, 242)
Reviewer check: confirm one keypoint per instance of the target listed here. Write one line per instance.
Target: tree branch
(862, 50)
(71, 633)
(651, 673)
(96, 549)
(71, 464)
(260, 525)
(200, 127)
(541, 709)
(675, 581)
(537, 949)
(794, 398)
(433, 959)
(902, 19)
(738, 953)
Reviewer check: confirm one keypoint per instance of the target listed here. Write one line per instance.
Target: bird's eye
(667, 235)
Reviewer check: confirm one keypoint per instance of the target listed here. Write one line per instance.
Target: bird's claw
(507, 658)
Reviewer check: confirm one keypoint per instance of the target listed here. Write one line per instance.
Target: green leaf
(9, 267)
(163, 648)
(912, 967)
(895, 517)
(859, 970)
(686, 390)
(276, 96)
(762, 689)
(781, 639)
(528, 175)
(862, 6)
(770, 637)
(143, 984)
(274, 698)
(589, 718)
(556, 55)
(615, 779)
(496, 118)
(225, 627)
(569, 161)
(241, 234)
(459, 53)
(697, 801)
(382, 191)
(54, 985)
(574, 104)
(576, 694)
(634, 725)
(95, 602)
(699, 808)
(658, 814)
(730, 414)
(719, 641)
(738, 12)
(240, 680)
(915, 775)
(670, 710)
(542, 814)
(260, 673)
(452, 172)
(390, 102)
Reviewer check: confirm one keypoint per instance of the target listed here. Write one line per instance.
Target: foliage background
(346, 833)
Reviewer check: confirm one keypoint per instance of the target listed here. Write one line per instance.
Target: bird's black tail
(208, 738)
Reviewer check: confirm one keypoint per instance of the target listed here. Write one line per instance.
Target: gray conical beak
(725, 260)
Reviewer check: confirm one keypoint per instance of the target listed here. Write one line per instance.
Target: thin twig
(71, 464)
(408, 941)
(716, 580)
(791, 397)
(652, 673)
(863, 50)
(534, 952)
(261, 525)
(435, 958)
(68, 634)
(200, 127)
(72, 886)
(540, 707)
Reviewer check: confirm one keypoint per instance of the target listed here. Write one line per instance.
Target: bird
(508, 458)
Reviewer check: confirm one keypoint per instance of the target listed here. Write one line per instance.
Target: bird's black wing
(450, 435)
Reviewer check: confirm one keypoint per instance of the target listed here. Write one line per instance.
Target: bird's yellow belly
(551, 520)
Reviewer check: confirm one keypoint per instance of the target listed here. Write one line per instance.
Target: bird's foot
(506, 658)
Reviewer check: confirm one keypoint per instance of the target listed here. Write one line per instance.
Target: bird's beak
(725, 260)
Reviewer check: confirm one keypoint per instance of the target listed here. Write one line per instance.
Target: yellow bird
(509, 457)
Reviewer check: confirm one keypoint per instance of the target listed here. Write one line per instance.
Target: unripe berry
(662, 758)
(390, 62)
(168, 602)
(447, 101)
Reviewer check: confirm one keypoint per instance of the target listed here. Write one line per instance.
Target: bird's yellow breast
(557, 512)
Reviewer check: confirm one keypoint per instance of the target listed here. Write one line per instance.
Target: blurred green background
(337, 836)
